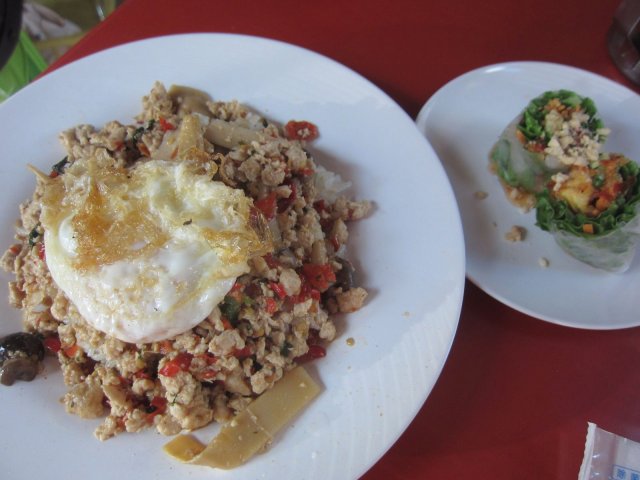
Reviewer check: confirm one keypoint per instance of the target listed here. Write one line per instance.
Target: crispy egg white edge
(112, 298)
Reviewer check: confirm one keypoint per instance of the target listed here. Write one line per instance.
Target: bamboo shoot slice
(190, 100)
(190, 136)
(228, 135)
(252, 429)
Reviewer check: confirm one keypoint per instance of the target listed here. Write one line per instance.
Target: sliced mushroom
(19, 368)
(20, 357)
(21, 344)
(344, 276)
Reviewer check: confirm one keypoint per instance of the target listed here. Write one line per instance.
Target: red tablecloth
(516, 393)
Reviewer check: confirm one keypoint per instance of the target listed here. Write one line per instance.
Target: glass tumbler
(623, 39)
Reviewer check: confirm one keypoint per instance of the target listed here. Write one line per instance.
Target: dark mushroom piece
(152, 360)
(19, 368)
(344, 276)
(20, 357)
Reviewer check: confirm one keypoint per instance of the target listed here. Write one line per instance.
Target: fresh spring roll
(592, 211)
(556, 130)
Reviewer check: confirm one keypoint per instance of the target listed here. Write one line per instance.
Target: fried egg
(146, 253)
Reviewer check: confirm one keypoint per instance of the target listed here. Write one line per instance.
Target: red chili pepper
(278, 289)
(535, 147)
(270, 261)
(158, 402)
(180, 363)
(285, 203)
(52, 344)
(209, 358)
(313, 338)
(267, 205)
(311, 292)
(241, 353)
(183, 360)
(165, 125)
(318, 276)
(270, 305)
(306, 292)
(157, 406)
(301, 130)
(72, 350)
(305, 172)
(226, 323)
(170, 370)
(142, 374)
(315, 351)
(121, 422)
(335, 243)
(326, 224)
(320, 206)
(41, 251)
(165, 346)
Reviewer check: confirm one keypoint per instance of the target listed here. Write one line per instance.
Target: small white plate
(410, 257)
(462, 121)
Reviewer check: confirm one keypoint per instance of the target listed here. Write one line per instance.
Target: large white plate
(409, 254)
(462, 121)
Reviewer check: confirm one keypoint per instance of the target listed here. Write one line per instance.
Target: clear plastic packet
(609, 456)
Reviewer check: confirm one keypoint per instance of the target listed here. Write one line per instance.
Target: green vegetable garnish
(33, 235)
(532, 121)
(555, 214)
(520, 155)
(598, 180)
(230, 309)
(286, 349)
(141, 130)
(608, 242)
(59, 167)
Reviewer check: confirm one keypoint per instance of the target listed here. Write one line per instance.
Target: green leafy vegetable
(519, 154)
(137, 134)
(33, 235)
(230, 308)
(285, 349)
(615, 230)
(526, 170)
(598, 180)
(59, 167)
(532, 123)
(555, 214)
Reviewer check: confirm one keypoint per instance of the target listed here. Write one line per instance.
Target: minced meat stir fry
(274, 317)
